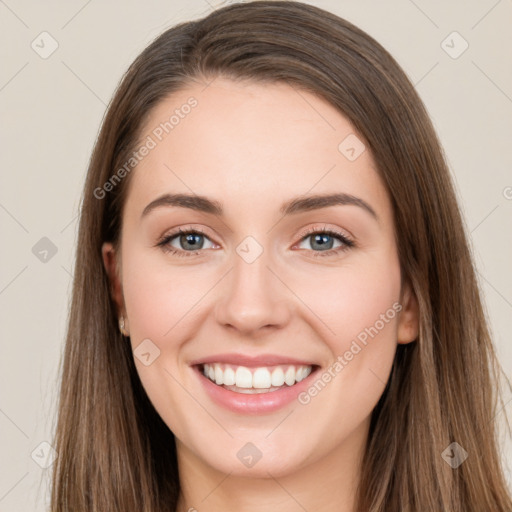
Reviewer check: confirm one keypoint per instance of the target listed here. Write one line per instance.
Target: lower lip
(258, 403)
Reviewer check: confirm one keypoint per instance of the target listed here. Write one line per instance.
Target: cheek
(158, 295)
(351, 298)
(341, 302)
(159, 302)
(357, 313)
(341, 309)
(343, 395)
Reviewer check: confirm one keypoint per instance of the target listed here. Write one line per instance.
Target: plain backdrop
(60, 63)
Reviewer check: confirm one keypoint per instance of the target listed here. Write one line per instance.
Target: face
(256, 281)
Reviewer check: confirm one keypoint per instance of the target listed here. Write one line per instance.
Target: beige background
(51, 109)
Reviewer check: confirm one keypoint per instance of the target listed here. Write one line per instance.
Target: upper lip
(251, 361)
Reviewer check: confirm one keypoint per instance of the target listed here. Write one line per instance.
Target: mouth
(255, 380)
(250, 384)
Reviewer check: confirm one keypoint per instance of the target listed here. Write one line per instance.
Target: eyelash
(347, 242)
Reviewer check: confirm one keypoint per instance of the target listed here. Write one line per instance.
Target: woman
(321, 343)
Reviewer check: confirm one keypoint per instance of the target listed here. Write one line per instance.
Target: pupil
(190, 238)
(323, 241)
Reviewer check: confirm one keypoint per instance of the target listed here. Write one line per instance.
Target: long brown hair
(114, 451)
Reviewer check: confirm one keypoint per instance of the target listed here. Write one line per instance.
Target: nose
(253, 298)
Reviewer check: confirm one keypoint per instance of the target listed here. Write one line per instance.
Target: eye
(324, 240)
(189, 242)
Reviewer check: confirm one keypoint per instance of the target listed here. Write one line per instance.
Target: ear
(111, 263)
(408, 322)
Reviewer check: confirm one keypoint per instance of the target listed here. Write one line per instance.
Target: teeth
(219, 375)
(278, 377)
(255, 378)
(229, 377)
(289, 376)
(243, 377)
(261, 379)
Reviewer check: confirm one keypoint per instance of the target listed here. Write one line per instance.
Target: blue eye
(191, 242)
(324, 239)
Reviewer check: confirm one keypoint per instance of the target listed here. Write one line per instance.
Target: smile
(253, 384)
(265, 379)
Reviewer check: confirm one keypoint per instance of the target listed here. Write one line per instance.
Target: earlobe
(408, 323)
(111, 264)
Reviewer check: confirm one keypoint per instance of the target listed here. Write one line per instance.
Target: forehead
(248, 142)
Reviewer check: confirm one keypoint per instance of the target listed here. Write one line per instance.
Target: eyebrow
(293, 206)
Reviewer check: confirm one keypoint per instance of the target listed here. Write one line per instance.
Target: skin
(252, 147)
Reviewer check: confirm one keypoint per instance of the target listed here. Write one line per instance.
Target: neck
(326, 484)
